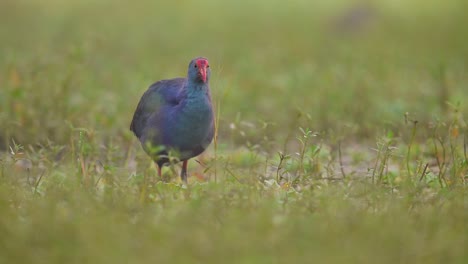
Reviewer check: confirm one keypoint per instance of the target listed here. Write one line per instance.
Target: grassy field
(342, 132)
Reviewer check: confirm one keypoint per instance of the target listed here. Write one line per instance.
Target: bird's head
(199, 70)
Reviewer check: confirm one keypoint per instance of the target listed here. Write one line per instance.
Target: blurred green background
(75, 186)
(358, 64)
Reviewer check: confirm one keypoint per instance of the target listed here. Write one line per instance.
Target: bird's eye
(195, 66)
(207, 66)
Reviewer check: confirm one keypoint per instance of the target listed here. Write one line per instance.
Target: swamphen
(176, 115)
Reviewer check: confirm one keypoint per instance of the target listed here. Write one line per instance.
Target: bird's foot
(183, 177)
(183, 172)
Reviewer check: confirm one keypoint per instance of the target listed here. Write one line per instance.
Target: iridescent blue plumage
(177, 115)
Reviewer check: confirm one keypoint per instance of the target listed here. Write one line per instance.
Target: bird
(176, 116)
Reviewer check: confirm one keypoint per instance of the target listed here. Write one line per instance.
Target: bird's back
(158, 95)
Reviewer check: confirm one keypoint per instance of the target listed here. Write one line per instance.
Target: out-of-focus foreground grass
(341, 132)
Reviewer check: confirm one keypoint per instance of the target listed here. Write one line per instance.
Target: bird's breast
(190, 124)
(196, 110)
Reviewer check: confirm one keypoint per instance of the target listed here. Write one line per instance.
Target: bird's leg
(159, 171)
(153, 180)
(183, 172)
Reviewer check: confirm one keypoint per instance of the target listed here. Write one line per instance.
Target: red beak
(202, 64)
(203, 73)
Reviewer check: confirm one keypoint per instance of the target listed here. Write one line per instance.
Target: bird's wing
(159, 94)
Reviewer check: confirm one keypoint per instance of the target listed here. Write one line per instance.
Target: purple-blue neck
(196, 88)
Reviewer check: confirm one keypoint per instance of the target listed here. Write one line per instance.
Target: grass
(341, 133)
